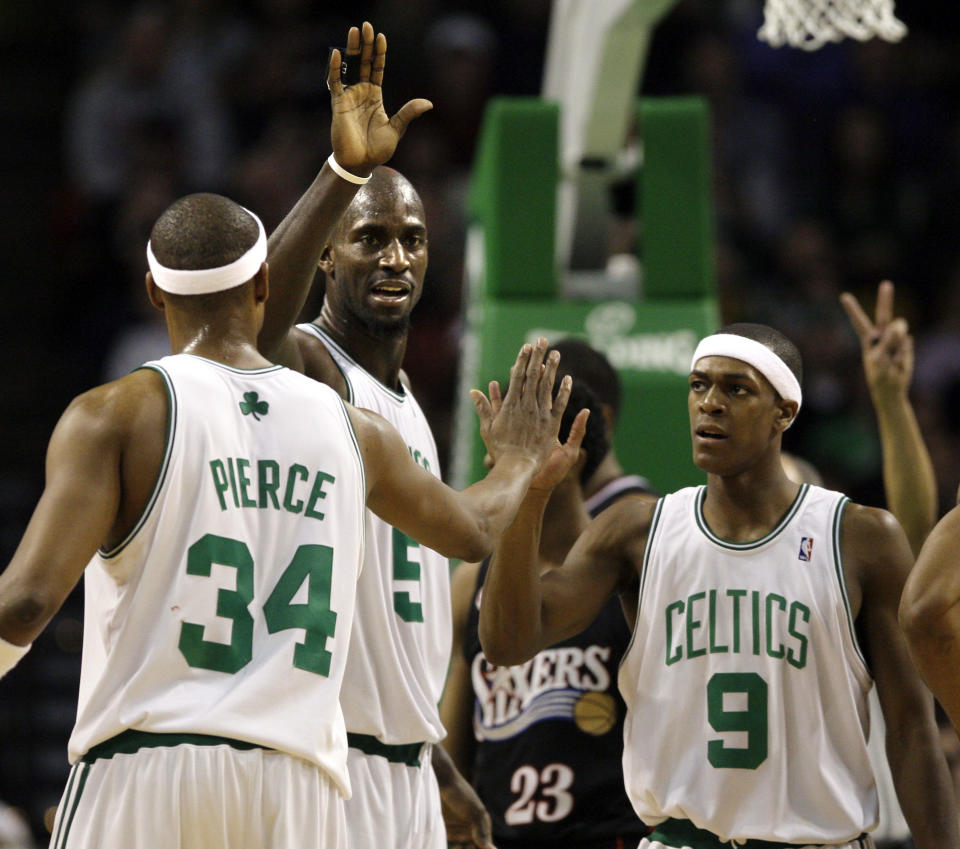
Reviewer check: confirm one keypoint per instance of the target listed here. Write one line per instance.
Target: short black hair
(586, 364)
(202, 230)
(772, 339)
(595, 442)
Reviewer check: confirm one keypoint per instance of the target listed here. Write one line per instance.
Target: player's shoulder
(628, 518)
(873, 544)
(118, 407)
(865, 524)
(316, 361)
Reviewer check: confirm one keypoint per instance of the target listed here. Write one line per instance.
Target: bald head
(387, 190)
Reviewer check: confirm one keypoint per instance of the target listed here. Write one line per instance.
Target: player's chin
(712, 459)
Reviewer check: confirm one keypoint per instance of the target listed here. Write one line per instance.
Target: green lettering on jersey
(233, 482)
(798, 659)
(317, 493)
(752, 719)
(268, 482)
(243, 477)
(679, 607)
(755, 599)
(231, 604)
(311, 563)
(219, 481)
(405, 569)
(693, 625)
(781, 602)
(736, 595)
(296, 471)
(715, 648)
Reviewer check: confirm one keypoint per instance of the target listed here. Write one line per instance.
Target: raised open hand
(527, 419)
(885, 343)
(361, 133)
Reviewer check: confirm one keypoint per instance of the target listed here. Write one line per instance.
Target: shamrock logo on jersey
(251, 405)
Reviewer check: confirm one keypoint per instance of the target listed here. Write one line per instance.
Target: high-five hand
(527, 419)
(362, 135)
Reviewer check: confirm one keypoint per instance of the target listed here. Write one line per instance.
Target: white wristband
(343, 172)
(10, 655)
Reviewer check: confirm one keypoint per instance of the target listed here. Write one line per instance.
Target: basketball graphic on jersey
(595, 713)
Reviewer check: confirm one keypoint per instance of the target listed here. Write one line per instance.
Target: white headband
(755, 354)
(178, 281)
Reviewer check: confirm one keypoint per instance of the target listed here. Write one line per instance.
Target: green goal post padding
(513, 279)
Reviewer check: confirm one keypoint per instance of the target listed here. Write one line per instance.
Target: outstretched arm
(930, 613)
(75, 514)
(522, 612)
(908, 476)
(467, 524)
(362, 136)
(876, 550)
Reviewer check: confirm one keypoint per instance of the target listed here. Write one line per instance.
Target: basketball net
(809, 24)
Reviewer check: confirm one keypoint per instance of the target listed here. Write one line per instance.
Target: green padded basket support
(513, 280)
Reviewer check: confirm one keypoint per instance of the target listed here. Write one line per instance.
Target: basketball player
(374, 266)
(763, 611)
(542, 742)
(217, 503)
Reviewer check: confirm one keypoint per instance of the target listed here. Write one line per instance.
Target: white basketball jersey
(400, 646)
(745, 687)
(227, 610)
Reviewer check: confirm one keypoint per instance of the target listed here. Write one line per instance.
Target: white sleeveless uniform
(399, 650)
(227, 610)
(745, 687)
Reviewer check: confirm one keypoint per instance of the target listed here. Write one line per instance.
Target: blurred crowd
(833, 170)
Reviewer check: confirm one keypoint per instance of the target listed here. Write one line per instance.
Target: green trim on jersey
(322, 336)
(646, 553)
(841, 577)
(131, 741)
(234, 369)
(683, 833)
(752, 544)
(407, 753)
(356, 445)
(69, 811)
(328, 340)
(172, 412)
(654, 522)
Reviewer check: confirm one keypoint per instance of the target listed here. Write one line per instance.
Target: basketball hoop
(809, 24)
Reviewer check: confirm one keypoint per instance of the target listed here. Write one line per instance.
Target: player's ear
(261, 283)
(325, 263)
(154, 292)
(786, 413)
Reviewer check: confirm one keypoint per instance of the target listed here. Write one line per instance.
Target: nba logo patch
(806, 548)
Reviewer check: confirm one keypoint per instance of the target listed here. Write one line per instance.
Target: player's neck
(380, 355)
(747, 506)
(233, 344)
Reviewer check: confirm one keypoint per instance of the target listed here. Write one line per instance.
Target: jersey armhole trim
(363, 480)
(644, 569)
(841, 579)
(172, 412)
(328, 343)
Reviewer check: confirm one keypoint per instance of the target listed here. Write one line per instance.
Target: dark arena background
(831, 170)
